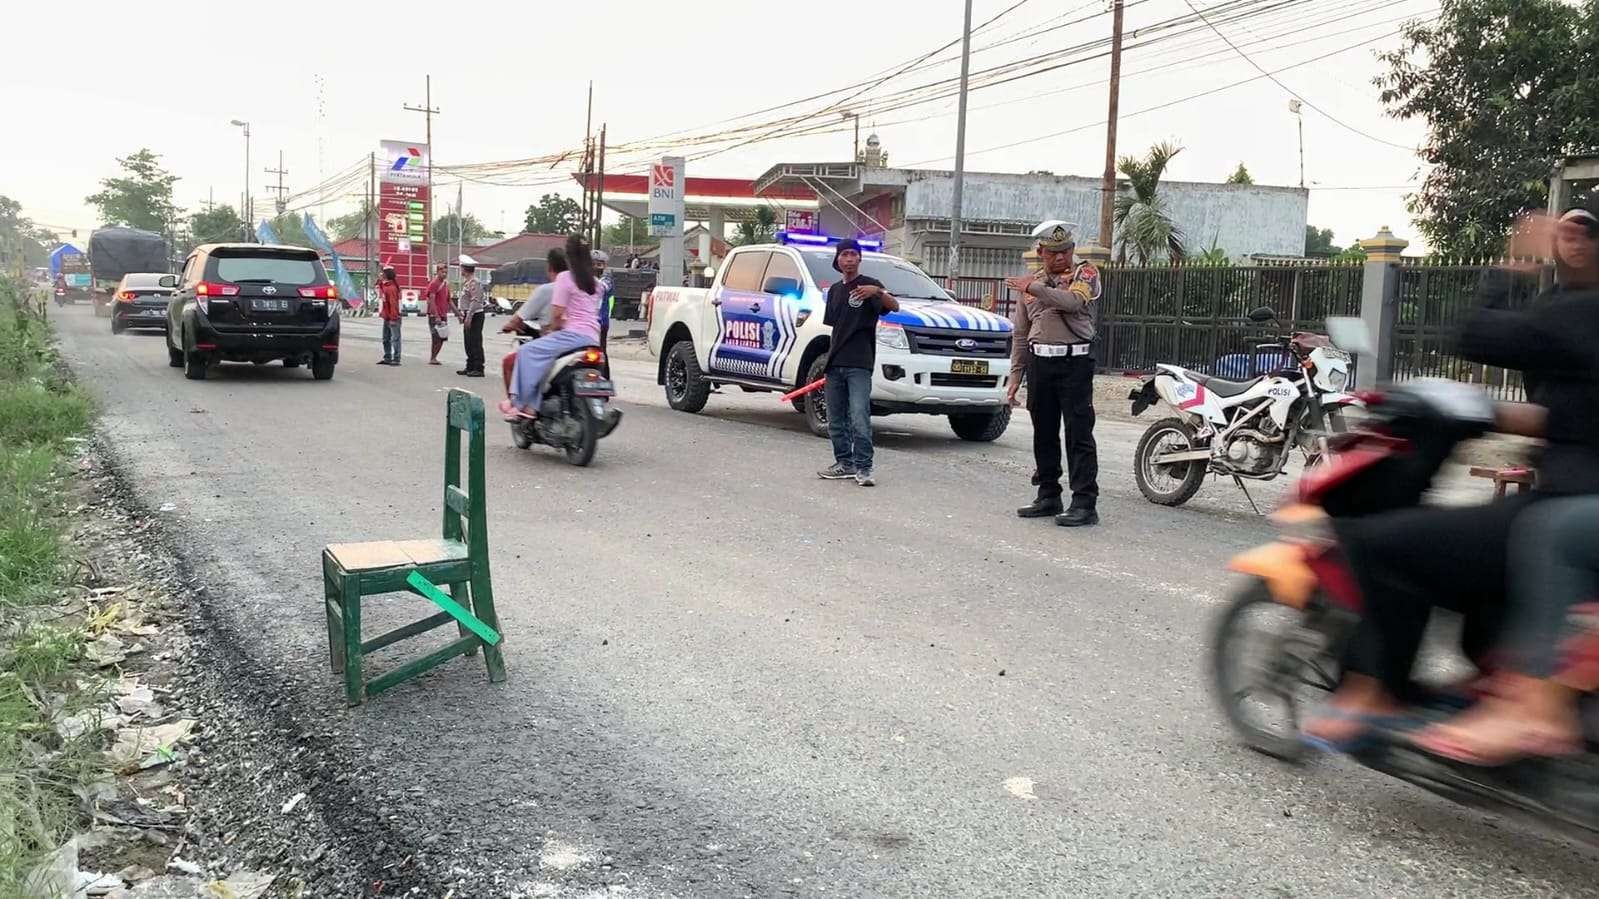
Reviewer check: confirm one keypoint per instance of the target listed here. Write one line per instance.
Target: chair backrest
(465, 513)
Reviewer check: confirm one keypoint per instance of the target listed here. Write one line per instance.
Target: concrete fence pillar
(1379, 306)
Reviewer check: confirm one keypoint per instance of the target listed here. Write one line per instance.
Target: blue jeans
(849, 416)
(391, 340)
(1554, 565)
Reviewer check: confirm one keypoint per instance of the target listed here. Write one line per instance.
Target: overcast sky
(323, 82)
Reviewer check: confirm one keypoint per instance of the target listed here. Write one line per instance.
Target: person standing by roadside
(438, 305)
(853, 307)
(1054, 346)
(473, 310)
(389, 311)
(607, 303)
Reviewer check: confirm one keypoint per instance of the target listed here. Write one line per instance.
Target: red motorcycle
(1278, 644)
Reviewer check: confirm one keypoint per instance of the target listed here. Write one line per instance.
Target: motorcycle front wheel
(1269, 661)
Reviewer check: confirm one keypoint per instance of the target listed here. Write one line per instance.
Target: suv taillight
(206, 291)
(327, 292)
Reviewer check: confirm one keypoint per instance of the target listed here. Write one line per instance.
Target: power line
(1171, 103)
(1295, 94)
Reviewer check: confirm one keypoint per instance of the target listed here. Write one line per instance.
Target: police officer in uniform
(1054, 347)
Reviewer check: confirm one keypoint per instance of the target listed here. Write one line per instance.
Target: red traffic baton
(808, 388)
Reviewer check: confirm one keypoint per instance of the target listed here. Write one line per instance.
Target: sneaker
(838, 472)
(864, 478)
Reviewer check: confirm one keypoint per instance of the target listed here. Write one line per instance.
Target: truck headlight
(892, 336)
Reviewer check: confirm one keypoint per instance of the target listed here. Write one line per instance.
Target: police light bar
(800, 238)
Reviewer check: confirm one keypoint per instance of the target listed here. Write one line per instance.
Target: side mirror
(1262, 314)
(1351, 335)
(169, 281)
(782, 286)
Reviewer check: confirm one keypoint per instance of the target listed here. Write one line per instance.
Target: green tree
(762, 230)
(1240, 175)
(630, 231)
(20, 239)
(344, 227)
(553, 214)
(1145, 230)
(141, 197)
(1319, 242)
(290, 229)
(219, 223)
(1506, 87)
(451, 229)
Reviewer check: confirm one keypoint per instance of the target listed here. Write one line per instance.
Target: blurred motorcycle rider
(1410, 560)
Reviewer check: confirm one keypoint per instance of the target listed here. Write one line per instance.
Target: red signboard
(402, 234)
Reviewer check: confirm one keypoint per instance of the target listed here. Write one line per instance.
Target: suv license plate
(968, 367)
(269, 305)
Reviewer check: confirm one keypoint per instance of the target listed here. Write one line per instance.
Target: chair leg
(354, 683)
(483, 608)
(461, 592)
(331, 600)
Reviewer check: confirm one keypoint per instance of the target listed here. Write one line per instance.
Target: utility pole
(281, 202)
(855, 154)
(960, 151)
(1107, 187)
(371, 221)
(599, 193)
(428, 111)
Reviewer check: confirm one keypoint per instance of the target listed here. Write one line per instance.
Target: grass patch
(39, 676)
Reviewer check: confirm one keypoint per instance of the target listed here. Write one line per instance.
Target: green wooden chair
(459, 561)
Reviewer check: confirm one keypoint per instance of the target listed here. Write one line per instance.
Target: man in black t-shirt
(853, 306)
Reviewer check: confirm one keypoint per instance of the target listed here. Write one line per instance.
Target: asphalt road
(730, 678)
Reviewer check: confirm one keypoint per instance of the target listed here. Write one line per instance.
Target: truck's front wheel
(981, 427)
(686, 387)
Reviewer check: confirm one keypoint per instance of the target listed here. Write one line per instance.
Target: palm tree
(761, 230)
(1145, 230)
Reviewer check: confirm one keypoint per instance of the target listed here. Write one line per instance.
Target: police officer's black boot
(1077, 517)
(1042, 507)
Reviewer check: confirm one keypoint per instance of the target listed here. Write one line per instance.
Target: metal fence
(1197, 316)
(1433, 303)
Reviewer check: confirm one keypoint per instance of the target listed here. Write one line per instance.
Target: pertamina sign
(666, 197)
(405, 162)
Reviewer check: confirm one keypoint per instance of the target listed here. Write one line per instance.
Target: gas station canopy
(732, 199)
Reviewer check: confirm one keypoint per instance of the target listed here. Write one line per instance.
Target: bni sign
(666, 197)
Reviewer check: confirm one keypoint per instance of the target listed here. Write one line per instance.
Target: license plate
(153, 313)
(594, 387)
(270, 305)
(968, 367)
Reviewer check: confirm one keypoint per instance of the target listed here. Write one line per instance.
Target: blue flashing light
(800, 238)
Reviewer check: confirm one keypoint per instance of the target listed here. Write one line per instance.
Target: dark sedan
(140, 301)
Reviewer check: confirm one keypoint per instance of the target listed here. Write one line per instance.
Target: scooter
(574, 408)
(1301, 604)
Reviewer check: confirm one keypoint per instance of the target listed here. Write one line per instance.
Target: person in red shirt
(438, 304)
(389, 311)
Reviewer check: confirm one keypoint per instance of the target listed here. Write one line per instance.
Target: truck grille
(958, 342)
(945, 379)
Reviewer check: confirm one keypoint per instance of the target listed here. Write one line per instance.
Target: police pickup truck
(759, 327)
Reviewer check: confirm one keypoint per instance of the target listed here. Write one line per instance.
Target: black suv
(247, 302)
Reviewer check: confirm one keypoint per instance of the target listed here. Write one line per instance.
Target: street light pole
(1293, 107)
(960, 151)
(248, 213)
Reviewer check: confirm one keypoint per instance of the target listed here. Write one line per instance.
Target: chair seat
(381, 555)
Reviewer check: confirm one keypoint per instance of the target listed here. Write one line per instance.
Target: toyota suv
(253, 303)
